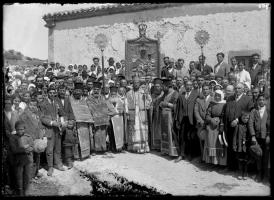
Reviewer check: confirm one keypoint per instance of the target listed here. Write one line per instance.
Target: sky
(24, 30)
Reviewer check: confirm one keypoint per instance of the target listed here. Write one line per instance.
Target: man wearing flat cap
(101, 111)
(167, 108)
(221, 68)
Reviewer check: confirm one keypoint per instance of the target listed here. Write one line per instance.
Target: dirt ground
(152, 170)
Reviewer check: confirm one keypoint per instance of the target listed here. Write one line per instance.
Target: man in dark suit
(184, 121)
(255, 68)
(204, 68)
(232, 112)
(221, 68)
(51, 118)
(164, 69)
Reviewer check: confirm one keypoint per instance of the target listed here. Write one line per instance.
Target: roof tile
(104, 10)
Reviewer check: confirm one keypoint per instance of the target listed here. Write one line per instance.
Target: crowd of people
(219, 114)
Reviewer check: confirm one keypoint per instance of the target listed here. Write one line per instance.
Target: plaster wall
(235, 29)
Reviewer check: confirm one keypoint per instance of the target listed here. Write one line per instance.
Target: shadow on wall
(159, 14)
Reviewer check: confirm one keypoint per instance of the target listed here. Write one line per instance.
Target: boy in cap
(22, 147)
(240, 140)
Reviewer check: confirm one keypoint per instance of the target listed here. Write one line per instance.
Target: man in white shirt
(242, 75)
(181, 70)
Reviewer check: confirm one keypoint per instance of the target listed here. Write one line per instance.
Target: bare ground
(151, 170)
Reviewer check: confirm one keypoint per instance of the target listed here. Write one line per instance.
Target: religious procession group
(220, 114)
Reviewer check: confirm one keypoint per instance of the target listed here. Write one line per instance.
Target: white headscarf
(222, 96)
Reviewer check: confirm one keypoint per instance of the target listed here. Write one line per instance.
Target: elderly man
(138, 104)
(232, 112)
(221, 68)
(229, 91)
(184, 121)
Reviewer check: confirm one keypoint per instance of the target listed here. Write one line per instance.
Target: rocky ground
(152, 173)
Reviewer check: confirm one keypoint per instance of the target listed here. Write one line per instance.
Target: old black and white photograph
(136, 100)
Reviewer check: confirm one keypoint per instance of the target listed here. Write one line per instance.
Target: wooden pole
(202, 58)
(103, 70)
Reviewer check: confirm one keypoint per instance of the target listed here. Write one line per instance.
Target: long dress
(156, 123)
(214, 152)
(138, 104)
(167, 132)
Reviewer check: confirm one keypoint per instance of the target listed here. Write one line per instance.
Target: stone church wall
(233, 28)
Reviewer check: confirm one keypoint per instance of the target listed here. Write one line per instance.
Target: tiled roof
(104, 10)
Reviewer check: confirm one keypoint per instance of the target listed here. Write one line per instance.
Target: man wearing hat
(155, 137)
(221, 68)
(167, 106)
(138, 104)
(101, 110)
(79, 120)
(50, 117)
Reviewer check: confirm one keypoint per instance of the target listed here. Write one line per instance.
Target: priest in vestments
(79, 126)
(167, 108)
(138, 104)
(156, 115)
(101, 111)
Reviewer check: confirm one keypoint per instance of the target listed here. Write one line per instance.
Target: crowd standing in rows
(220, 114)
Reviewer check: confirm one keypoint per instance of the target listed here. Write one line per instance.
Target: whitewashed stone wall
(232, 31)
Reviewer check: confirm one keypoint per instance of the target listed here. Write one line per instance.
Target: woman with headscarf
(214, 150)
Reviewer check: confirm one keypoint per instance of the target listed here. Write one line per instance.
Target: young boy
(22, 146)
(239, 144)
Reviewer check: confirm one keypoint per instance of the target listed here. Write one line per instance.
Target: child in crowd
(240, 144)
(22, 147)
